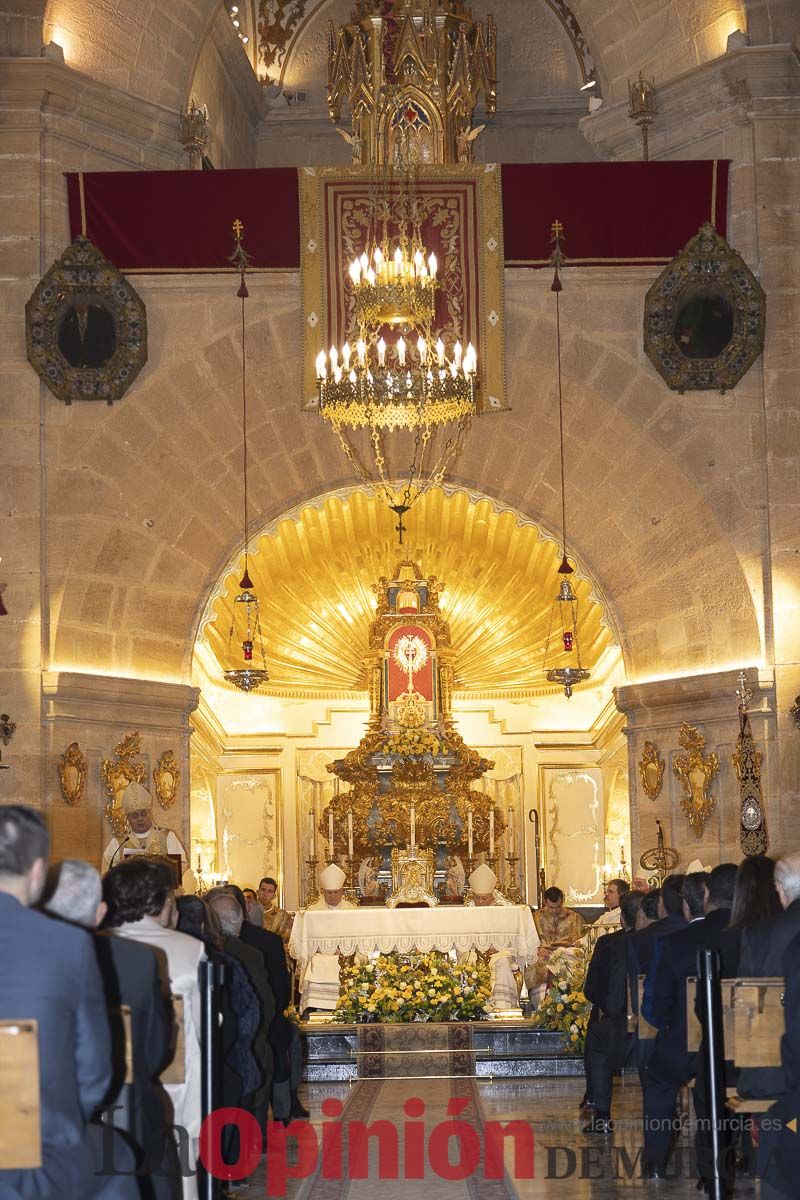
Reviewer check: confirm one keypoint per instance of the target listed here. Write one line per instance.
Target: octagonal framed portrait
(704, 317)
(86, 327)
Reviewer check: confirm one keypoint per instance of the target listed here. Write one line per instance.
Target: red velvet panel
(613, 213)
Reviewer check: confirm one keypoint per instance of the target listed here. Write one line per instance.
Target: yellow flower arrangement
(412, 742)
(391, 989)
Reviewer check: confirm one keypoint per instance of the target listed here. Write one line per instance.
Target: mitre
(483, 880)
(135, 798)
(695, 865)
(332, 878)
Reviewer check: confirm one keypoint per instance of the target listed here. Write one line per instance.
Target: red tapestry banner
(460, 222)
(613, 213)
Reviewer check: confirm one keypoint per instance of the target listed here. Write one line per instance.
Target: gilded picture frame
(651, 770)
(704, 317)
(696, 770)
(72, 771)
(166, 779)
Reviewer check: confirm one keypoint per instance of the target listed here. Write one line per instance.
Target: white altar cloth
(449, 927)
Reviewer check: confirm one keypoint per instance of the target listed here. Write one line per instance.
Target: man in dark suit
(606, 987)
(132, 975)
(50, 976)
(271, 948)
(779, 1147)
(763, 947)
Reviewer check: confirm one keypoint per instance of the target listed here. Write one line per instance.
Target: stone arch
(153, 488)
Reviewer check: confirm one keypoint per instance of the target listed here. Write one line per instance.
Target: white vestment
(151, 842)
(184, 955)
(505, 993)
(319, 977)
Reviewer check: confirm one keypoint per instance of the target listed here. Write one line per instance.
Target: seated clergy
(611, 920)
(319, 978)
(143, 836)
(559, 928)
(505, 992)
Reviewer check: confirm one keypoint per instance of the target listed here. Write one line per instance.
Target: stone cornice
(133, 130)
(667, 702)
(730, 90)
(111, 700)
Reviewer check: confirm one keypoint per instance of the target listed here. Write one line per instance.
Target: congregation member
(779, 1151)
(755, 899)
(607, 1039)
(133, 975)
(141, 906)
(50, 976)
(271, 948)
(615, 889)
(276, 919)
(229, 914)
(319, 977)
(763, 947)
(143, 836)
(671, 1065)
(240, 1007)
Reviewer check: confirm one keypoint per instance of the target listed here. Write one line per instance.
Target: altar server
(319, 979)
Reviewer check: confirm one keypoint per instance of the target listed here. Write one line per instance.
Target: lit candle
(398, 262)
(355, 272)
(413, 827)
(401, 351)
(419, 262)
(321, 367)
(457, 351)
(378, 256)
(364, 261)
(440, 351)
(361, 351)
(432, 264)
(346, 355)
(334, 356)
(469, 831)
(381, 347)
(422, 350)
(350, 832)
(491, 832)
(371, 277)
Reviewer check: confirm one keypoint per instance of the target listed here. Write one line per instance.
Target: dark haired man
(671, 1065)
(50, 976)
(276, 919)
(559, 928)
(607, 1040)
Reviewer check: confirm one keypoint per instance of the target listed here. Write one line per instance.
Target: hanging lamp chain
(241, 260)
(557, 262)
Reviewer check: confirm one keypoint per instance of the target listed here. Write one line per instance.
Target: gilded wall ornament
(166, 777)
(695, 770)
(85, 327)
(72, 770)
(117, 773)
(704, 316)
(651, 770)
(7, 730)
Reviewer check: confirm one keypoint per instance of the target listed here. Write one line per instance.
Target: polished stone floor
(567, 1163)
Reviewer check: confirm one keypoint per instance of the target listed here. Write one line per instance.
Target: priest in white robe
(143, 837)
(319, 977)
(505, 992)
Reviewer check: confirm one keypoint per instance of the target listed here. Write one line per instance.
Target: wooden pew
(176, 1071)
(20, 1101)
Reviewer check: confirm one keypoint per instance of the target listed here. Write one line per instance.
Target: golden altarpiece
(405, 820)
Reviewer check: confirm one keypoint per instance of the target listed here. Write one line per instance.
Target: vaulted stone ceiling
(314, 575)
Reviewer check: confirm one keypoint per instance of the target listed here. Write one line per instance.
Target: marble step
(502, 1050)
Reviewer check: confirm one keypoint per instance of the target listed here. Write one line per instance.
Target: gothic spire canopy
(412, 74)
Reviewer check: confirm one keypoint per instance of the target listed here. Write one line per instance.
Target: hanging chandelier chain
(244, 432)
(561, 430)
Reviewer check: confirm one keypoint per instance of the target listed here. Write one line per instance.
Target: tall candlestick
(313, 817)
(330, 832)
(469, 831)
(491, 832)
(413, 828)
(510, 830)
(350, 832)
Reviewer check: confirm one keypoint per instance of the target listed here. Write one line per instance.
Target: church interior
(400, 454)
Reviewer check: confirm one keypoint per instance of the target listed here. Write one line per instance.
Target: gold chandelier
(398, 376)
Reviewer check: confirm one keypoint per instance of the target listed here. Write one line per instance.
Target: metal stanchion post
(212, 977)
(713, 1062)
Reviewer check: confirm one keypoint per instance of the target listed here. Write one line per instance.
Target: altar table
(366, 930)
